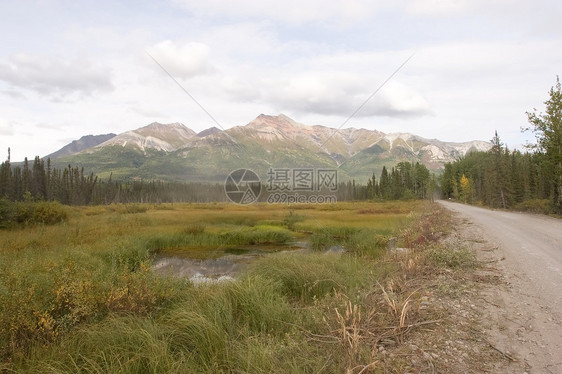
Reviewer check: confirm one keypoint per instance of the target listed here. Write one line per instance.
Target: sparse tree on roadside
(547, 128)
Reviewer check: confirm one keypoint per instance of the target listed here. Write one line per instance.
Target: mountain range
(175, 152)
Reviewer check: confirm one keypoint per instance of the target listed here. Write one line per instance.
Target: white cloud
(400, 100)
(288, 11)
(147, 112)
(54, 76)
(441, 8)
(6, 127)
(182, 60)
(342, 93)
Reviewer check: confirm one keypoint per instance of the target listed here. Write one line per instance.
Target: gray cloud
(13, 94)
(53, 76)
(331, 92)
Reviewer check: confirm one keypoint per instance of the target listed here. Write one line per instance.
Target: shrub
(31, 213)
(538, 206)
(47, 213)
(7, 213)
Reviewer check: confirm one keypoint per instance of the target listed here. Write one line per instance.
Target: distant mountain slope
(81, 144)
(175, 152)
(155, 136)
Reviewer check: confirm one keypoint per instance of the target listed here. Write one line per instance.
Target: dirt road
(523, 314)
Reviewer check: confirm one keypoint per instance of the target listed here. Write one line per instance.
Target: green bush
(7, 214)
(47, 213)
(538, 206)
(31, 213)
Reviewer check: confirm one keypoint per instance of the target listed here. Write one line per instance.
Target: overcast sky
(73, 68)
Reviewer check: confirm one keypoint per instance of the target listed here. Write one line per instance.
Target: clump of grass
(321, 240)
(256, 236)
(359, 240)
(128, 254)
(326, 237)
(454, 258)
(125, 344)
(237, 220)
(194, 229)
(307, 276)
(291, 219)
(367, 242)
(196, 236)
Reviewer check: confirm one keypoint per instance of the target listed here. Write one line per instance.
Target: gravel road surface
(526, 319)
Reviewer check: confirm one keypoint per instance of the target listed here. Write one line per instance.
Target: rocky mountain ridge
(173, 151)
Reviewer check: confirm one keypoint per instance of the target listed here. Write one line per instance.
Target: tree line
(501, 178)
(38, 181)
(404, 181)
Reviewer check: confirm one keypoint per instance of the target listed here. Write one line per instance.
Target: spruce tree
(547, 128)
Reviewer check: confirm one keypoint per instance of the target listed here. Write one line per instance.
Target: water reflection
(214, 270)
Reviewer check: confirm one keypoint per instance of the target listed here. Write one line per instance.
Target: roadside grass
(79, 296)
(453, 258)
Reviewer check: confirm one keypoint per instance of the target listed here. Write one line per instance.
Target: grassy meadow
(80, 295)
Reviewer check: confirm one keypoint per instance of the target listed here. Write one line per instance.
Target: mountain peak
(209, 131)
(85, 142)
(159, 136)
(280, 122)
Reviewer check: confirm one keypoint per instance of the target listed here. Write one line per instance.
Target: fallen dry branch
(505, 354)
